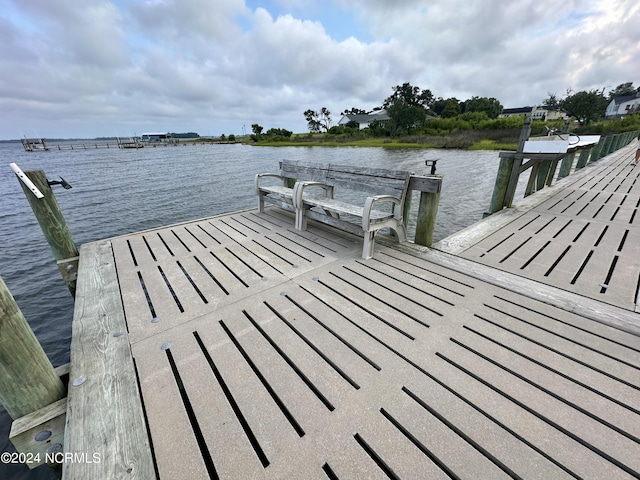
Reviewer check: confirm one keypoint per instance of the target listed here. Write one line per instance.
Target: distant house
(511, 112)
(541, 112)
(621, 106)
(365, 119)
(155, 137)
(545, 112)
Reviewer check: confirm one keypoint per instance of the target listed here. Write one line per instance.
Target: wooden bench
(314, 187)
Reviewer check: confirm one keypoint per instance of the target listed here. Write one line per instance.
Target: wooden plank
(427, 184)
(100, 353)
(25, 431)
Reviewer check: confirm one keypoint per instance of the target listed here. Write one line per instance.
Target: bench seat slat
(278, 190)
(339, 206)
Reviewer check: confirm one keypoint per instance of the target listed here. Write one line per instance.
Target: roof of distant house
(517, 110)
(626, 98)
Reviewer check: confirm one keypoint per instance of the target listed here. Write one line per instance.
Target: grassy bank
(465, 133)
(466, 140)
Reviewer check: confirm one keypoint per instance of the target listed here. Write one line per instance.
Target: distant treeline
(184, 135)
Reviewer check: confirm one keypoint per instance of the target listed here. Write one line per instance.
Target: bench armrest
(298, 191)
(262, 175)
(368, 206)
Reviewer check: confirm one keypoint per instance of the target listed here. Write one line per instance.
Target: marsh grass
(499, 139)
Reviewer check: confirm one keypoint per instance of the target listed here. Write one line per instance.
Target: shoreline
(478, 145)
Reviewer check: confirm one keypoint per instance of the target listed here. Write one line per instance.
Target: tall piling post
(28, 381)
(54, 227)
(583, 159)
(565, 165)
(426, 221)
(508, 172)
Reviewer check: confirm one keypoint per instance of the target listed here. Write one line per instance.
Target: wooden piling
(28, 381)
(583, 158)
(498, 198)
(53, 226)
(504, 189)
(565, 166)
(606, 146)
(426, 221)
(542, 174)
(429, 187)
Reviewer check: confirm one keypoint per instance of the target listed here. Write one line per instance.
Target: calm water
(120, 191)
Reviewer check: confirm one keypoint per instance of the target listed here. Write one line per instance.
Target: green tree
(405, 117)
(438, 105)
(451, 108)
(378, 129)
(409, 95)
(279, 132)
(407, 106)
(622, 90)
(491, 106)
(585, 106)
(354, 111)
(318, 120)
(256, 129)
(551, 101)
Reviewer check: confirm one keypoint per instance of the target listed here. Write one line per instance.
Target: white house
(511, 112)
(155, 137)
(621, 106)
(365, 119)
(541, 112)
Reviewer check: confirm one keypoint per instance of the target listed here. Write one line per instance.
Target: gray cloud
(215, 65)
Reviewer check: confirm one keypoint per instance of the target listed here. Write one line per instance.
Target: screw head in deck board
(56, 447)
(283, 294)
(155, 320)
(165, 346)
(79, 381)
(42, 435)
(264, 279)
(119, 333)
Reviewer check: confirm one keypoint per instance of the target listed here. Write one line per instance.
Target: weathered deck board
(282, 354)
(104, 414)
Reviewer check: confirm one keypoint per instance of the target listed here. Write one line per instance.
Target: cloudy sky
(92, 68)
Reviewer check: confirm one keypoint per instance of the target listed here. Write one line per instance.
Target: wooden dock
(236, 347)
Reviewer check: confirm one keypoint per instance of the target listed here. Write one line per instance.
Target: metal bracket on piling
(432, 164)
(69, 269)
(28, 183)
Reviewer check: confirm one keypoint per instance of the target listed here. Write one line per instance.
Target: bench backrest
(375, 181)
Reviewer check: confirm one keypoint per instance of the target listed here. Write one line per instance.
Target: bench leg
(369, 242)
(301, 219)
(260, 203)
(401, 233)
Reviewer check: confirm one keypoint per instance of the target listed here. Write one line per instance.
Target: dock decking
(585, 239)
(236, 347)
